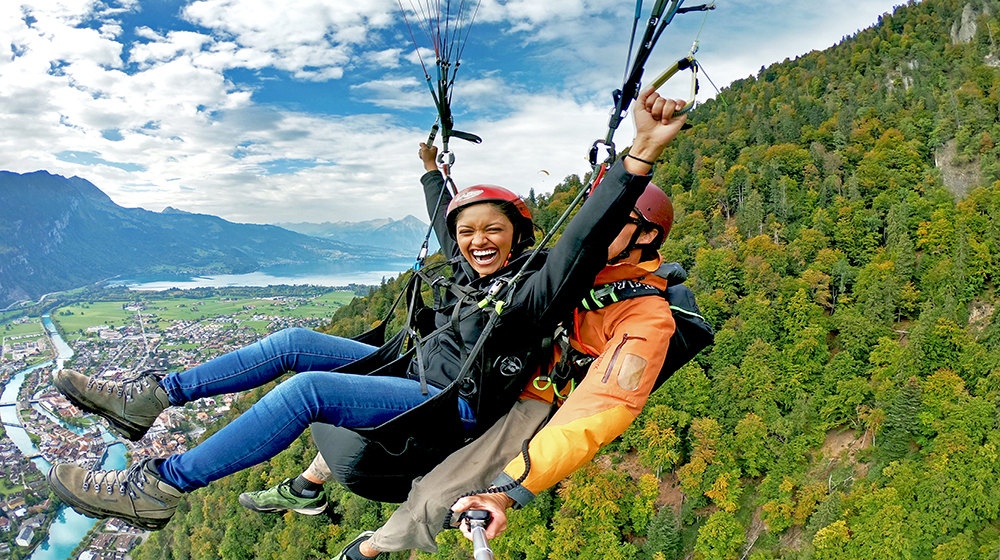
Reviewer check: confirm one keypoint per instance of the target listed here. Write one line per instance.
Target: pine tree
(664, 536)
(900, 423)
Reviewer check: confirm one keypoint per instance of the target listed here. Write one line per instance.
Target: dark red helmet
(510, 204)
(654, 206)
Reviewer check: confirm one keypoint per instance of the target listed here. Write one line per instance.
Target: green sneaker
(131, 406)
(280, 498)
(138, 496)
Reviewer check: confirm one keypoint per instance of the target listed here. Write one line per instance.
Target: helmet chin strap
(627, 251)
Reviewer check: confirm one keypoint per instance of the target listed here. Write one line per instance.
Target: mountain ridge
(407, 233)
(839, 216)
(60, 233)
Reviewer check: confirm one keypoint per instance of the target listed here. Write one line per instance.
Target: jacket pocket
(630, 366)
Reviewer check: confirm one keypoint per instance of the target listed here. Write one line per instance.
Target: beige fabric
(473, 467)
(318, 470)
(630, 375)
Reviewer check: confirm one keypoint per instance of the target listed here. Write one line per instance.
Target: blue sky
(311, 110)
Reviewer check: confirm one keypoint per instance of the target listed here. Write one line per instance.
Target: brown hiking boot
(131, 405)
(138, 496)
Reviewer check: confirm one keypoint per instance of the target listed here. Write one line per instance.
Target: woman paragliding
(469, 358)
(469, 379)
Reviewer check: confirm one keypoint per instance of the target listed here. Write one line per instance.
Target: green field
(75, 319)
(11, 333)
(80, 316)
(6, 489)
(11, 330)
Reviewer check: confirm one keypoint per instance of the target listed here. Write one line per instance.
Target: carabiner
(595, 151)
(446, 158)
(688, 62)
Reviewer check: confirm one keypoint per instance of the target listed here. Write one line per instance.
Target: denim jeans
(314, 394)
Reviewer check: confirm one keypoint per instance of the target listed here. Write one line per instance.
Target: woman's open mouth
(484, 257)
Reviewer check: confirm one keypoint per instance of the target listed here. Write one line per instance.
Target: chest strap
(603, 296)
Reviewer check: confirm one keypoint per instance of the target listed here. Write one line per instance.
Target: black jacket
(547, 294)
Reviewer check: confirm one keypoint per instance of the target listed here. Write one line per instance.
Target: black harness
(691, 334)
(380, 462)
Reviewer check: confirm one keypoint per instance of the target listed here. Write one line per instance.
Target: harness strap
(465, 295)
(413, 333)
(686, 312)
(456, 323)
(436, 290)
(571, 367)
(440, 283)
(478, 347)
(605, 295)
(418, 345)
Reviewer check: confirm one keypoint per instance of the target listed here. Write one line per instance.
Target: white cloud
(312, 39)
(85, 101)
(388, 58)
(376, 170)
(544, 133)
(161, 49)
(760, 33)
(529, 14)
(400, 93)
(54, 37)
(414, 56)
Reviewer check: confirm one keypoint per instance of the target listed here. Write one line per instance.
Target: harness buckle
(491, 296)
(600, 297)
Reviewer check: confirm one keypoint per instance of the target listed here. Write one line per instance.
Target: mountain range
(406, 234)
(59, 233)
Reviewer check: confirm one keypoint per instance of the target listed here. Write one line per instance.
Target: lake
(334, 273)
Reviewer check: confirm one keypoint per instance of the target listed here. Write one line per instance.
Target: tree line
(839, 215)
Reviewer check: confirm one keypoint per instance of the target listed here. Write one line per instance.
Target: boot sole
(253, 506)
(132, 432)
(97, 513)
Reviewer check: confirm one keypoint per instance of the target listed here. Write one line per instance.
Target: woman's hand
(655, 127)
(429, 156)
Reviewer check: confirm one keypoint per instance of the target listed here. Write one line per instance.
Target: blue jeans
(315, 394)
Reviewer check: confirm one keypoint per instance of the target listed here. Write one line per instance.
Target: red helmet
(654, 206)
(511, 205)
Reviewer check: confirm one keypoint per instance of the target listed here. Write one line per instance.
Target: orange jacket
(629, 340)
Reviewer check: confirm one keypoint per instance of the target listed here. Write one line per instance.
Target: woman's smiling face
(485, 237)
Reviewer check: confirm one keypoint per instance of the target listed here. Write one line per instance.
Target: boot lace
(112, 479)
(127, 388)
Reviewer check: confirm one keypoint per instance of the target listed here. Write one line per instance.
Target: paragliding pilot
(468, 397)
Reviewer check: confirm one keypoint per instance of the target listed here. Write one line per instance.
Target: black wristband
(646, 161)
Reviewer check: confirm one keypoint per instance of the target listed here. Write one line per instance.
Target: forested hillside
(59, 233)
(840, 217)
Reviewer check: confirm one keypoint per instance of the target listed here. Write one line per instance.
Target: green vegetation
(6, 489)
(840, 217)
(11, 330)
(74, 319)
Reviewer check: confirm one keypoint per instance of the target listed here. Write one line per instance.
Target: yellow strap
(572, 386)
(542, 379)
(548, 383)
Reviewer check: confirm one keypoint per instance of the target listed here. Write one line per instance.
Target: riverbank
(64, 529)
